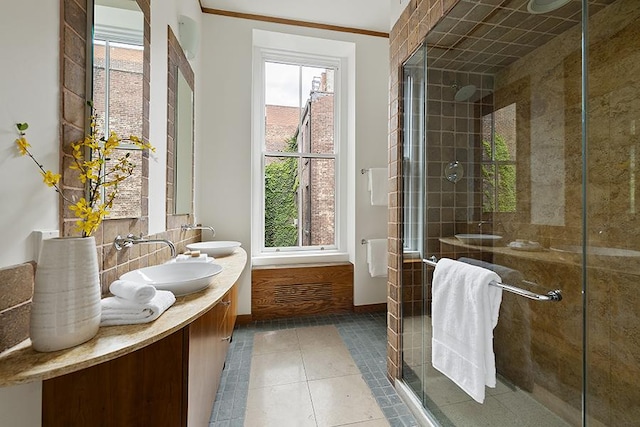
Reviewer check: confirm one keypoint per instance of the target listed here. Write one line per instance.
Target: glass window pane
(128, 202)
(280, 203)
(505, 132)
(318, 112)
(487, 147)
(317, 186)
(99, 81)
(506, 188)
(488, 188)
(282, 84)
(299, 103)
(125, 89)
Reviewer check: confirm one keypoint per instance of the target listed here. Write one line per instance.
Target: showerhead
(464, 93)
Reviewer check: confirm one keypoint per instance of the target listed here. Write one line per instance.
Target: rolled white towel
(131, 291)
(118, 311)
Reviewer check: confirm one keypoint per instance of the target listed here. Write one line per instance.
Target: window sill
(299, 258)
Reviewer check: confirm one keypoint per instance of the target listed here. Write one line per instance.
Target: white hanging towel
(465, 310)
(377, 257)
(379, 186)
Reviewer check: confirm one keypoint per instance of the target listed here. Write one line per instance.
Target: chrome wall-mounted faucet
(481, 223)
(126, 242)
(187, 227)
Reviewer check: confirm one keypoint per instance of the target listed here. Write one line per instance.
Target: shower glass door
(612, 205)
(414, 301)
(510, 164)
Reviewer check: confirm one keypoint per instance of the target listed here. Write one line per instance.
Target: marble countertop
(625, 264)
(544, 254)
(21, 364)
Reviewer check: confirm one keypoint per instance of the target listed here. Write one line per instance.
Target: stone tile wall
(407, 34)
(16, 289)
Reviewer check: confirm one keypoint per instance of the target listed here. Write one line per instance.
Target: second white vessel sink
(178, 277)
(214, 248)
(478, 239)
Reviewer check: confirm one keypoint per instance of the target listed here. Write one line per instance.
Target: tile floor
(310, 371)
(505, 405)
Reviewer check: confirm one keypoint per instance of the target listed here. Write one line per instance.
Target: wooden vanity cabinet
(172, 382)
(209, 338)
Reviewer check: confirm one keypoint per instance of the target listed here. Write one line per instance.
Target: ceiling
(482, 38)
(373, 15)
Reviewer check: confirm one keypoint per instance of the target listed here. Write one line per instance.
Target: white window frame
(306, 57)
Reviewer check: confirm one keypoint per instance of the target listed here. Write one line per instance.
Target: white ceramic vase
(66, 296)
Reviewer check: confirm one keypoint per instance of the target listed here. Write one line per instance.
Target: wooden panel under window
(289, 291)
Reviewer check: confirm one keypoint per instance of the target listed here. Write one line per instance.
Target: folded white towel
(377, 257)
(118, 311)
(464, 312)
(379, 186)
(136, 292)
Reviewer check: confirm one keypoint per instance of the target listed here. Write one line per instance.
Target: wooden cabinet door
(203, 376)
(143, 388)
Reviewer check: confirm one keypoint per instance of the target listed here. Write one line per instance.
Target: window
(117, 100)
(299, 188)
(499, 160)
(299, 156)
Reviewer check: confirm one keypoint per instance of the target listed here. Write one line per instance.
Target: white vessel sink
(478, 239)
(179, 278)
(214, 248)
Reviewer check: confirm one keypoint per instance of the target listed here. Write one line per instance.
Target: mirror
(183, 146)
(118, 76)
(180, 133)
(77, 87)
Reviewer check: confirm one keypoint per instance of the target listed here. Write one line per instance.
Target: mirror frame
(76, 82)
(177, 60)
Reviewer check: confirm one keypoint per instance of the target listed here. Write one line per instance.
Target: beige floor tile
(380, 422)
(276, 368)
(328, 362)
(319, 337)
(343, 400)
(275, 341)
(528, 411)
(443, 391)
(488, 414)
(287, 405)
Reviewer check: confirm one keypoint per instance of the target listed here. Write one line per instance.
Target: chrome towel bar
(554, 296)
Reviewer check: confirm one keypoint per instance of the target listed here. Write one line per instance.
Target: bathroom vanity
(163, 373)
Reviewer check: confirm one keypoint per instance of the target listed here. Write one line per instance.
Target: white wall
(224, 162)
(164, 13)
(396, 7)
(29, 92)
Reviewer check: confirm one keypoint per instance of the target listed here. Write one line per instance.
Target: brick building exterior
(317, 177)
(125, 115)
(281, 124)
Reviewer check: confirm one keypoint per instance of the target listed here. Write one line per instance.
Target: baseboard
(244, 319)
(370, 308)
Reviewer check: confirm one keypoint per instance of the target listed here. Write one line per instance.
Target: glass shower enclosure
(521, 147)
